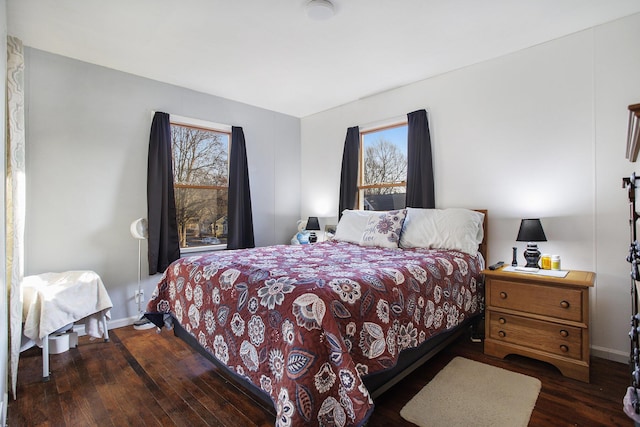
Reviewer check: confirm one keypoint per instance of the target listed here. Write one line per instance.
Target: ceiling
(270, 54)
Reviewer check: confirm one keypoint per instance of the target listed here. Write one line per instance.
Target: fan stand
(142, 323)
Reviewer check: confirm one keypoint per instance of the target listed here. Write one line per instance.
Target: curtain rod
(382, 123)
(190, 121)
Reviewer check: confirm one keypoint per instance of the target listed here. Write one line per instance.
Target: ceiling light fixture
(320, 10)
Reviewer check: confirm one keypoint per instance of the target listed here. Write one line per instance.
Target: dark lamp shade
(313, 223)
(531, 231)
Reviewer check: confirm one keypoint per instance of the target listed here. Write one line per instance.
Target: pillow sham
(383, 230)
(352, 225)
(454, 228)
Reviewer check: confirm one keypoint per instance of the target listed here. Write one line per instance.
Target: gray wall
(87, 140)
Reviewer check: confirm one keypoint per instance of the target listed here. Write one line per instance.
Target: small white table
(52, 301)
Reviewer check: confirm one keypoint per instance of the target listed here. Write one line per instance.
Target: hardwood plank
(169, 402)
(104, 372)
(148, 379)
(136, 403)
(195, 390)
(138, 400)
(89, 400)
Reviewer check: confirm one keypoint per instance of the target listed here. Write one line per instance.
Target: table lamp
(313, 225)
(531, 231)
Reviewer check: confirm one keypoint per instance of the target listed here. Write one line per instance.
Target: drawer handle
(564, 348)
(503, 295)
(564, 304)
(502, 334)
(502, 320)
(564, 333)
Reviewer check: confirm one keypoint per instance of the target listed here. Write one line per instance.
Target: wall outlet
(139, 296)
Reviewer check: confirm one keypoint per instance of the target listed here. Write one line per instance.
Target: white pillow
(455, 229)
(383, 230)
(352, 225)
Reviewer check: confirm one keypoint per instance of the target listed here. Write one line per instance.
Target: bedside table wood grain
(542, 317)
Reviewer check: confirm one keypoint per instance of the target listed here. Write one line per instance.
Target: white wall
(538, 133)
(86, 160)
(617, 85)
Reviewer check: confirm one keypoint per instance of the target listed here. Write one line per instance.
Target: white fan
(140, 230)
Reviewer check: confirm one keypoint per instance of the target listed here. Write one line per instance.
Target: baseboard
(610, 354)
(120, 323)
(111, 324)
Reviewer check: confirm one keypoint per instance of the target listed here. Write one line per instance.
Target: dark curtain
(164, 243)
(240, 223)
(349, 173)
(420, 186)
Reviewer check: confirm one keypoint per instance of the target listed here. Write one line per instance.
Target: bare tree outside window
(384, 168)
(201, 182)
(384, 163)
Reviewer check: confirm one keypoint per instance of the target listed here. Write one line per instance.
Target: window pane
(375, 200)
(202, 216)
(384, 168)
(385, 156)
(201, 180)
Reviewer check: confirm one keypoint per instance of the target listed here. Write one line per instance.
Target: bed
(320, 330)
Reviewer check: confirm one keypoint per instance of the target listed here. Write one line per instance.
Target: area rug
(470, 393)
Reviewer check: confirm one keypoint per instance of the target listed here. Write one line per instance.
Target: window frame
(204, 125)
(362, 187)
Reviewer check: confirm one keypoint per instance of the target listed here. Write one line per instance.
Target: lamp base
(532, 255)
(313, 237)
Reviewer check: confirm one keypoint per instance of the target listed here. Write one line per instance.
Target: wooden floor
(141, 378)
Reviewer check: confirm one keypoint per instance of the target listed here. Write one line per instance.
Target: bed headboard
(484, 246)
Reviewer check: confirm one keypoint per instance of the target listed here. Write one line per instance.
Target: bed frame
(379, 382)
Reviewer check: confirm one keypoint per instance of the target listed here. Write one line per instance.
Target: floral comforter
(305, 323)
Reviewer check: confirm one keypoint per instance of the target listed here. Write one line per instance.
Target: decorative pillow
(384, 229)
(455, 229)
(352, 225)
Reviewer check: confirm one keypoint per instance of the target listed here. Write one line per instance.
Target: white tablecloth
(53, 300)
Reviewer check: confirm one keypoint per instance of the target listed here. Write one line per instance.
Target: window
(383, 168)
(201, 183)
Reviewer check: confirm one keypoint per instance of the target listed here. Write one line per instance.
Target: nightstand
(542, 317)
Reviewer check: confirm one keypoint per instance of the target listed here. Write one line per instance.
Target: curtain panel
(349, 173)
(15, 199)
(164, 243)
(420, 185)
(240, 233)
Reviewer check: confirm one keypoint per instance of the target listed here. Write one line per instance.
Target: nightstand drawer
(537, 334)
(561, 303)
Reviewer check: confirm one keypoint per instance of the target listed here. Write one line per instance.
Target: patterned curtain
(15, 198)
